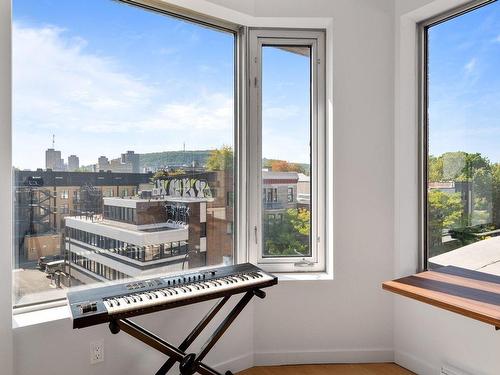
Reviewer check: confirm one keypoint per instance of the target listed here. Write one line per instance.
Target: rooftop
(481, 256)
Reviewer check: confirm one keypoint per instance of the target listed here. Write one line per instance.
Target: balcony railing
(274, 205)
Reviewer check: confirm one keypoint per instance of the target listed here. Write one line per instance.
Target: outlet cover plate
(97, 351)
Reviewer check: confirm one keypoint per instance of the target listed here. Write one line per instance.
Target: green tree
(159, 175)
(495, 194)
(220, 159)
(453, 165)
(473, 163)
(290, 236)
(482, 183)
(435, 169)
(445, 212)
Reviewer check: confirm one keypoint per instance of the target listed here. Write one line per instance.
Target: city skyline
(99, 98)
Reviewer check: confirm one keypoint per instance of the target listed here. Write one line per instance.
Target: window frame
(159, 6)
(315, 39)
(244, 144)
(422, 120)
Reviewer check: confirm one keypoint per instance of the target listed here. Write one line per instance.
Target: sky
(464, 84)
(105, 77)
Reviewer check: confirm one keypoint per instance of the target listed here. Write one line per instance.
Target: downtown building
(180, 223)
(44, 198)
(279, 193)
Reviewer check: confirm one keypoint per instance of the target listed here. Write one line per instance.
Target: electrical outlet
(96, 351)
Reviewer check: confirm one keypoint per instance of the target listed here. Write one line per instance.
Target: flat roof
(131, 202)
(483, 256)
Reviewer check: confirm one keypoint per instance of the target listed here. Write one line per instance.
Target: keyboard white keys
(167, 295)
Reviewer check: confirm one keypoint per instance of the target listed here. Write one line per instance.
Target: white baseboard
(415, 364)
(331, 356)
(406, 360)
(237, 364)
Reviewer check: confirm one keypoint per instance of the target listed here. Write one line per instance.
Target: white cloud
(471, 65)
(59, 86)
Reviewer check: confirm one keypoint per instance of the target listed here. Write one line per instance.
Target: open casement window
(286, 132)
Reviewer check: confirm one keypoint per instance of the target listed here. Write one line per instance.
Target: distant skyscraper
(132, 159)
(73, 163)
(102, 163)
(53, 160)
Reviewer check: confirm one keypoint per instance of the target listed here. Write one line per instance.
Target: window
(151, 120)
(64, 209)
(460, 163)
(290, 195)
(146, 101)
(287, 124)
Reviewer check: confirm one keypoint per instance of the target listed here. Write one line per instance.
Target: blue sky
(105, 77)
(464, 84)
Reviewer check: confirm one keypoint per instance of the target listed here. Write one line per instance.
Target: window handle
(303, 263)
(255, 234)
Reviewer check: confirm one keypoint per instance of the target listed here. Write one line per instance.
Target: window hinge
(255, 81)
(255, 234)
(319, 61)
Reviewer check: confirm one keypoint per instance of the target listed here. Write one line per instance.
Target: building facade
(44, 198)
(73, 163)
(53, 160)
(182, 222)
(135, 237)
(279, 193)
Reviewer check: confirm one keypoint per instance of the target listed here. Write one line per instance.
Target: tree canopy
(220, 159)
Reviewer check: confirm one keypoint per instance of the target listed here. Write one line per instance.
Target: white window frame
(423, 124)
(247, 178)
(315, 39)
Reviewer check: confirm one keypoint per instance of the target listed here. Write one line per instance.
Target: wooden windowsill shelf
(466, 292)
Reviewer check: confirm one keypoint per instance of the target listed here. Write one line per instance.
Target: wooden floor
(347, 369)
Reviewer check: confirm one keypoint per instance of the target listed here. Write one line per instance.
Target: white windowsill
(55, 313)
(304, 276)
(44, 315)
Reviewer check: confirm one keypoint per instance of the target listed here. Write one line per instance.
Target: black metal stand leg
(189, 363)
(225, 325)
(162, 346)
(193, 335)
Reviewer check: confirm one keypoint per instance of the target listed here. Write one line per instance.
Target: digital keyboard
(105, 304)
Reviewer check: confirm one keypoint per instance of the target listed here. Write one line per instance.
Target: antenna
(53, 141)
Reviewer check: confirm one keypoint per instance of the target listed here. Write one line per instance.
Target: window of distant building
(460, 165)
(290, 195)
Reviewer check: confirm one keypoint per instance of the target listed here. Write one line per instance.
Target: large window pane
(122, 145)
(286, 150)
(463, 163)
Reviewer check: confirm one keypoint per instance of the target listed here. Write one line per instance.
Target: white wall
(54, 347)
(349, 318)
(425, 337)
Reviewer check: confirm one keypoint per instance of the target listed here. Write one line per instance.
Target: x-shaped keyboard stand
(189, 363)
